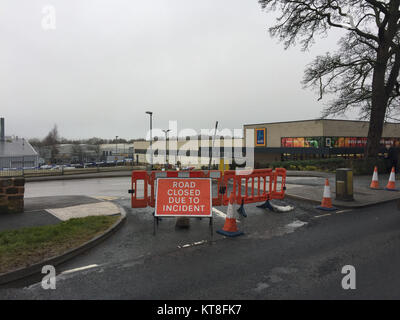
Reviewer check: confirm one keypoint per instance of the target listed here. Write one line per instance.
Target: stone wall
(12, 195)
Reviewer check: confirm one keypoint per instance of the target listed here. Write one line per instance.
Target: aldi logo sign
(260, 137)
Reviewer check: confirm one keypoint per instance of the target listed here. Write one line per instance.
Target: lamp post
(116, 150)
(166, 149)
(212, 148)
(151, 138)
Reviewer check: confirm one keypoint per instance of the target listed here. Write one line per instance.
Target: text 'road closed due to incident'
(183, 197)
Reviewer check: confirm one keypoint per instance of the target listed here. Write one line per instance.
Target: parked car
(188, 168)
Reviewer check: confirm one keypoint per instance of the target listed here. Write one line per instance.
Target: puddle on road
(296, 224)
(277, 231)
(261, 286)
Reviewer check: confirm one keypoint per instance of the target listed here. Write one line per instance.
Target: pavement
(303, 186)
(41, 211)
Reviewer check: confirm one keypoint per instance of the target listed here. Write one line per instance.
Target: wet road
(297, 254)
(273, 260)
(115, 186)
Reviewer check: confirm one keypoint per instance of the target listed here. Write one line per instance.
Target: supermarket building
(318, 138)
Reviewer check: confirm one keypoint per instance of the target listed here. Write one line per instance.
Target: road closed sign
(183, 197)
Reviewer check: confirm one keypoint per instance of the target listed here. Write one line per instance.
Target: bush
(311, 168)
(359, 166)
(366, 166)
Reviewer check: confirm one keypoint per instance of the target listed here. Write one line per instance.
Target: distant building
(310, 139)
(116, 151)
(16, 152)
(77, 153)
(190, 151)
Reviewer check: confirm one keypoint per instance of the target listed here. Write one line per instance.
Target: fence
(248, 186)
(59, 171)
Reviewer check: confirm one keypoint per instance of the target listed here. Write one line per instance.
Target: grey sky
(108, 61)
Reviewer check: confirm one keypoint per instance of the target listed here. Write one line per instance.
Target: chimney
(2, 132)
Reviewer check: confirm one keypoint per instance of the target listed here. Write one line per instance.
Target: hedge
(359, 166)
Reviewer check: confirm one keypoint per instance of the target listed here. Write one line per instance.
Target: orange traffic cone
(326, 203)
(375, 182)
(391, 186)
(230, 228)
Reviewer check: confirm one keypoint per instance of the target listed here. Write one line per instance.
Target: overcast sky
(109, 61)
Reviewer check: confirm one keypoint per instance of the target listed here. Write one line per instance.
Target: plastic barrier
(248, 186)
(279, 188)
(137, 202)
(257, 186)
(216, 176)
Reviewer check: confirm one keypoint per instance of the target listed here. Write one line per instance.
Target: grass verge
(24, 247)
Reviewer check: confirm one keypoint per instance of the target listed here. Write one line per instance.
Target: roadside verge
(56, 260)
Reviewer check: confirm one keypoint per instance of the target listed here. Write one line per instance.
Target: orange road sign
(190, 197)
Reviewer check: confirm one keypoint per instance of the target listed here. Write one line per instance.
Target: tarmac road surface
(267, 263)
(294, 255)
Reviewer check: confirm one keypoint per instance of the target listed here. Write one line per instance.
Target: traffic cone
(230, 228)
(326, 203)
(391, 186)
(375, 182)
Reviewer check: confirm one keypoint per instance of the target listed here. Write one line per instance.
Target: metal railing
(63, 171)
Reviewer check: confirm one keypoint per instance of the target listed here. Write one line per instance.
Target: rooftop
(315, 120)
(16, 147)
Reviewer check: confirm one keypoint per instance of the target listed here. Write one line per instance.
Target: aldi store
(310, 139)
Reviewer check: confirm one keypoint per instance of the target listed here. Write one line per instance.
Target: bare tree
(51, 140)
(52, 137)
(364, 72)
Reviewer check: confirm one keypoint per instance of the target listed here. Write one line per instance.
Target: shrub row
(359, 166)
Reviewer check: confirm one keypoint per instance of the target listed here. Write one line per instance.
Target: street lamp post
(166, 148)
(116, 149)
(151, 139)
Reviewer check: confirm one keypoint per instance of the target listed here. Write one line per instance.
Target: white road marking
(343, 211)
(218, 212)
(80, 269)
(323, 215)
(329, 214)
(62, 276)
(193, 244)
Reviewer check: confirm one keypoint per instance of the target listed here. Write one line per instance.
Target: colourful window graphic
(333, 142)
(313, 142)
